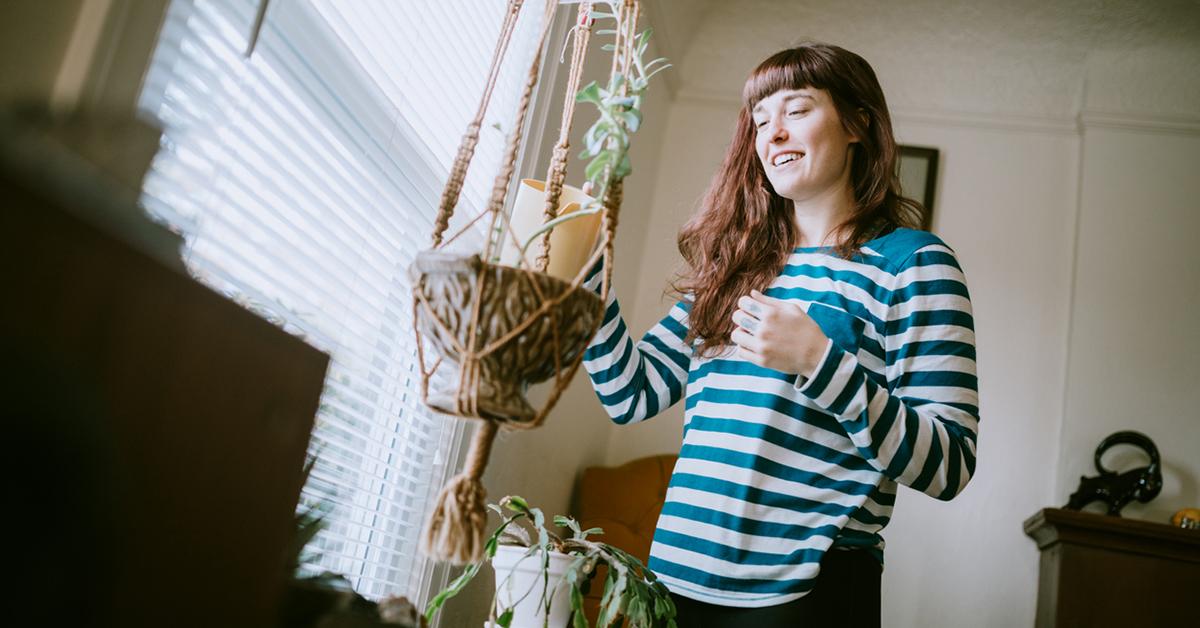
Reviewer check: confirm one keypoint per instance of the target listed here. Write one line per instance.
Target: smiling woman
(827, 353)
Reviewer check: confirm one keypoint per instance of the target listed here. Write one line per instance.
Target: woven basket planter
(528, 328)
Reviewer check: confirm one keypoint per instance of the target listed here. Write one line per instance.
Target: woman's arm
(920, 430)
(636, 381)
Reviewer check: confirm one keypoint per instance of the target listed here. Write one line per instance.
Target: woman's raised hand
(777, 334)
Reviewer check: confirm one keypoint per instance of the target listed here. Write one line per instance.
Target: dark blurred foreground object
(155, 432)
(1118, 489)
(1098, 571)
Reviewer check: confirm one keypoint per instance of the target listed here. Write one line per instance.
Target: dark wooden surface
(1098, 571)
(155, 432)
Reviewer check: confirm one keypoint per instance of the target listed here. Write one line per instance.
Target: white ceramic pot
(517, 576)
(571, 243)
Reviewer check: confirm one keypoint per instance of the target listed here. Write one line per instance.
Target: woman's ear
(866, 124)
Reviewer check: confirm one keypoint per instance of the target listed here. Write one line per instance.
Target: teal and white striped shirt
(777, 468)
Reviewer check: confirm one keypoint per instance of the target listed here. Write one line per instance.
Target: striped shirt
(777, 468)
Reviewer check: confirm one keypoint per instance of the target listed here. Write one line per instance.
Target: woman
(827, 349)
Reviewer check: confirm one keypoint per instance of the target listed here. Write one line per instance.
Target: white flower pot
(518, 577)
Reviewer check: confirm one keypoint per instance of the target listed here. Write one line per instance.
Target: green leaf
(505, 618)
(657, 71)
(454, 589)
(600, 15)
(580, 621)
(567, 522)
(633, 119)
(607, 609)
(608, 47)
(589, 93)
(596, 168)
(624, 168)
(593, 141)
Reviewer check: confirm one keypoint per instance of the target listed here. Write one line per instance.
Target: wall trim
(1154, 123)
(1052, 125)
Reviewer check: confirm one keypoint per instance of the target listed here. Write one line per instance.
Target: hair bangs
(796, 68)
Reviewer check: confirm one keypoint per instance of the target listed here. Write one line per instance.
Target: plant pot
(571, 243)
(518, 576)
(516, 335)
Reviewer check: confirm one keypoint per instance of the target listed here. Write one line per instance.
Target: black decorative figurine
(1118, 489)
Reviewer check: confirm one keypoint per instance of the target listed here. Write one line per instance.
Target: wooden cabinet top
(1051, 526)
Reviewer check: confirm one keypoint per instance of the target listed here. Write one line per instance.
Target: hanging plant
(495, 329)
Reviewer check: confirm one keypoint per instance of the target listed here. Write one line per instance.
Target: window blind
(304, 180)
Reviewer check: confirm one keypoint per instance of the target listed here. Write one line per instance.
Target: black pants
(846, 596)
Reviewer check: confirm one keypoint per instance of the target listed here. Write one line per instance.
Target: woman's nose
(778, 132)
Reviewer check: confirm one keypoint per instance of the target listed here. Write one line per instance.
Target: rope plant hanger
(495, 328)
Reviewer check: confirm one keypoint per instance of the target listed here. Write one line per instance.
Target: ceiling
(1019, 57)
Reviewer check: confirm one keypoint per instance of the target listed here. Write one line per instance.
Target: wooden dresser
(1099, 571)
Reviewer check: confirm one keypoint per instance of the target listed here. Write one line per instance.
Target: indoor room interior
(218, 203)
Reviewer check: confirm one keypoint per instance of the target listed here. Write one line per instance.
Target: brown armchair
(625, 501)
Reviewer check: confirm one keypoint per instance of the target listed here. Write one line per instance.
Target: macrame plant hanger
(498, 328)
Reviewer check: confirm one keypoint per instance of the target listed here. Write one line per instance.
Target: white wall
(1134, 336)
(1005, 204)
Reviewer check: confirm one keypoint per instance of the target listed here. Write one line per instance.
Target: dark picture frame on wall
(918, 168)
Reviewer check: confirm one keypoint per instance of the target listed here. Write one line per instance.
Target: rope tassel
(456, 530)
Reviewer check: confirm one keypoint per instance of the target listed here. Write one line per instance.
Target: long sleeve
(920, 430)
(636, 381)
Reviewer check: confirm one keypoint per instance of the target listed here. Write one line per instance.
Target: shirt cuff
(804, 382)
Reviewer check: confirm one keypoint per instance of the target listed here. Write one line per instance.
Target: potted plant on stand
(541, 576)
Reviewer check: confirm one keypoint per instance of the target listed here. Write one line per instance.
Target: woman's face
(802, 144)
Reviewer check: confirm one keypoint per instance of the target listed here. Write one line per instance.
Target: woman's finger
(750, 356)
(755, 308)
(745, 321)
(743, 339)
(759, 297)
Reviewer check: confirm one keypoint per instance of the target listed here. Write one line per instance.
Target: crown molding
(1022, 123)
(1152, 123)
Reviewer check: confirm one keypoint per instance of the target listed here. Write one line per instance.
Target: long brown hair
(742, 234)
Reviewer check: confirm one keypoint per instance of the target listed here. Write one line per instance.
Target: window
(304, 180)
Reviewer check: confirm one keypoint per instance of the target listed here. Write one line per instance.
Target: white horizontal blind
(305, 179)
